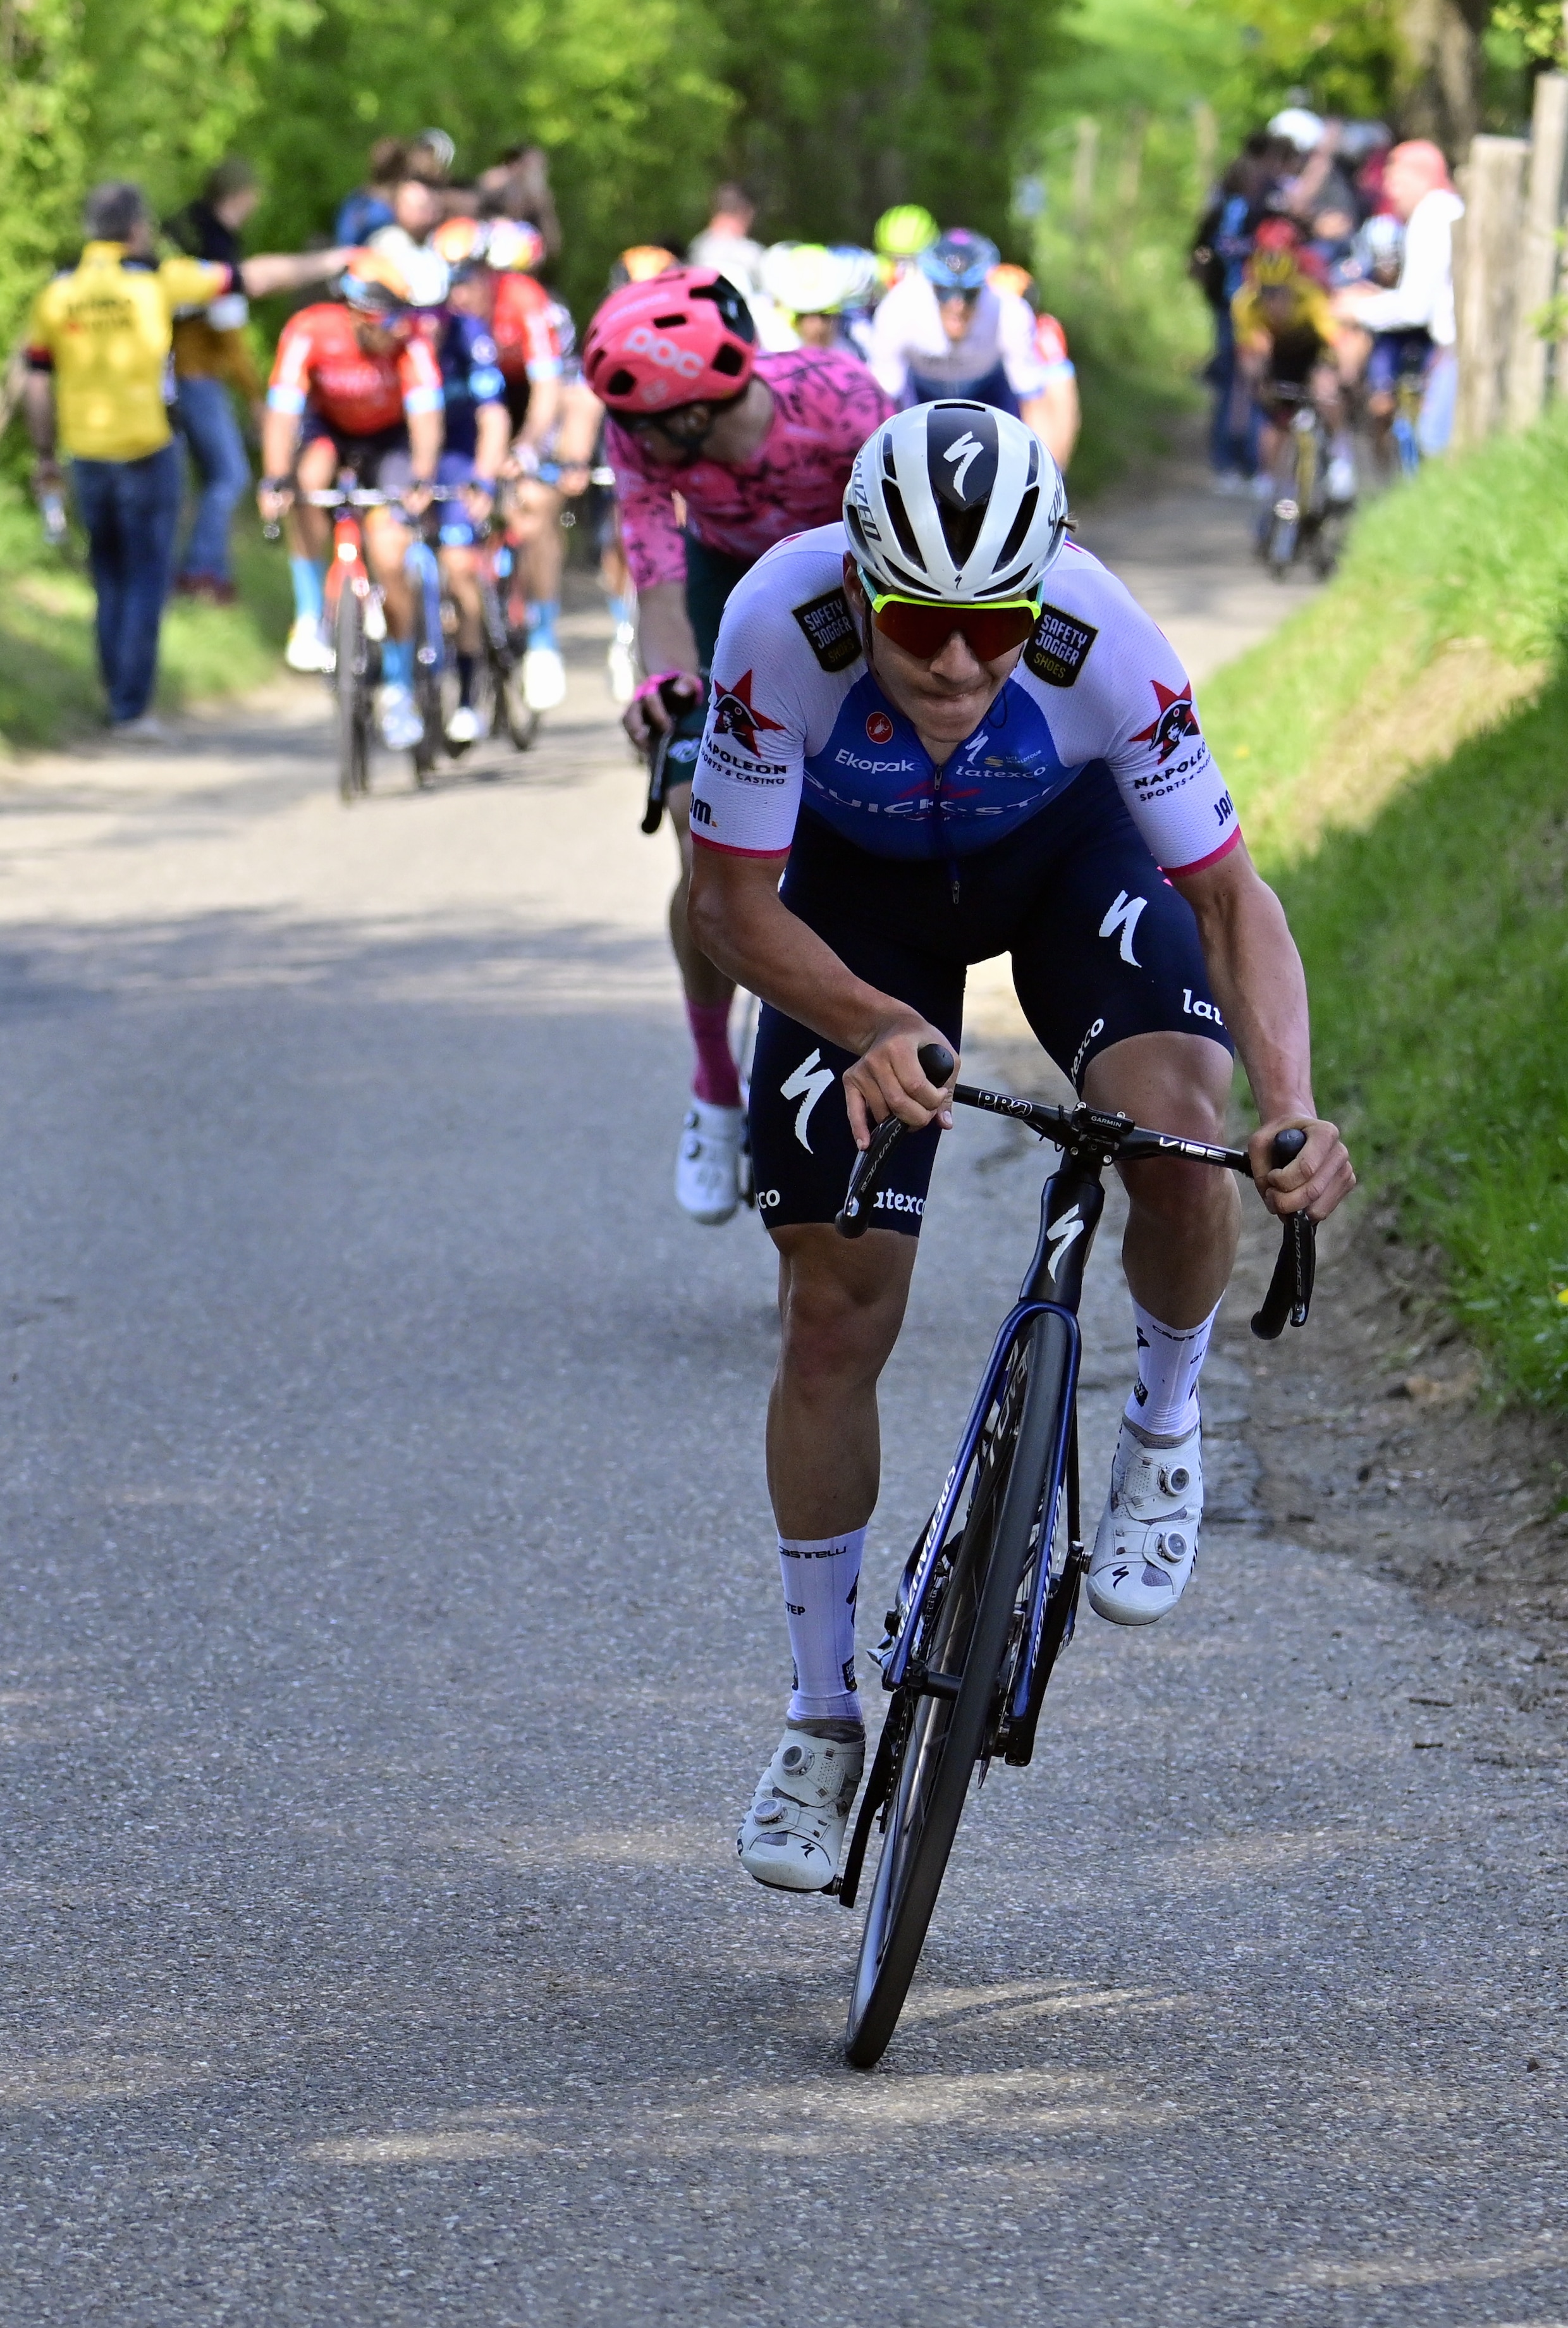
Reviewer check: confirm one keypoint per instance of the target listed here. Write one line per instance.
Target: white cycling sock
(1164, 1398)
(821, 1578)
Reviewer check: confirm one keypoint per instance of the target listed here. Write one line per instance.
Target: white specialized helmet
(957, 502)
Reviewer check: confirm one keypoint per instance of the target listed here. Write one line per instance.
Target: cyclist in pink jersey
(719, 453)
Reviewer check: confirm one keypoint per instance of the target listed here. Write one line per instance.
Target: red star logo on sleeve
(734, 714)
(1176, 721)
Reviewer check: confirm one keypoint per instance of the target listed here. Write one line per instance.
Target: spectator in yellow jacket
(99, 356)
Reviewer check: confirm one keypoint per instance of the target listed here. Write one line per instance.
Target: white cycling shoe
(791, 1836)
(307, 650)
(1148, 1536)
(463, 727)
(707, 1165)
(543, 679)
(401, 725)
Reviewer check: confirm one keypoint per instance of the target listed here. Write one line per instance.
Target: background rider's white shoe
(623, 664)
(401, 725)
(307, 650)
(463, 727)
(543, 679)
(707, 1165)
(791, 1836)
(1148, 1536)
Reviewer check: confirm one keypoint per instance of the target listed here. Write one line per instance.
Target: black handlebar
(1108, 1139)
(1290, 1292)
(937, 1067)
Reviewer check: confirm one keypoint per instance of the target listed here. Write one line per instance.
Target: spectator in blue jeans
(212, 358)
(98, 349)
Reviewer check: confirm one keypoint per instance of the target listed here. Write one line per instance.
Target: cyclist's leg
(459, 572)
(1111, 975)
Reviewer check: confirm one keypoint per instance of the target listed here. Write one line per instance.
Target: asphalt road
(392, 1640)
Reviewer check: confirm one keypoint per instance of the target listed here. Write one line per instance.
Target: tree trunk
(1440, 79)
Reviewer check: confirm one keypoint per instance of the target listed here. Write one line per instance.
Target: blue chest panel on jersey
(469, 376)
(874, 782)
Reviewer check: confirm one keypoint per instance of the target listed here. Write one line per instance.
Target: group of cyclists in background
(897, 721)
(1326, 256)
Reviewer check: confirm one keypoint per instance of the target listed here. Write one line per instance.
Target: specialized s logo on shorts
(1059, 646)
(807, 1082)
(1122, 919)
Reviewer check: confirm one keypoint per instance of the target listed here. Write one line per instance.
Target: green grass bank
(49, 687)
(1398, 754)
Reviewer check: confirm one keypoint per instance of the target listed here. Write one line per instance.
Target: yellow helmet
(904, 231)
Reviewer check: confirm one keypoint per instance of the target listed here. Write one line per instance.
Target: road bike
(1302, 522)
(988, 1597)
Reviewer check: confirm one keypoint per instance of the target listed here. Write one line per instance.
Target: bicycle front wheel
(974, 1625)
(352, 685)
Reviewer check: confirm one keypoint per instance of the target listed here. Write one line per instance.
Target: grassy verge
(48, 685)
(1398, 754)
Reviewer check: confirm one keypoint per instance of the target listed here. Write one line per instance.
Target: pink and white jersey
(824, 407)
(797, 717)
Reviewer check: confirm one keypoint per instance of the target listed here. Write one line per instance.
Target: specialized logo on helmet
(965, 453)
(734, 714)
(879, 728)
(1176, 722)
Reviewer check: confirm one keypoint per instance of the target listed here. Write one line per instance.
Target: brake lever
(853, 1220)
(1290, 1294)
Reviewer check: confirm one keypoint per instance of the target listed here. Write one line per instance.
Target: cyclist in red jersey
(355, 386)
(753, 448)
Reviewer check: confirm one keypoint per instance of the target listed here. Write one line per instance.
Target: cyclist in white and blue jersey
(939, 732)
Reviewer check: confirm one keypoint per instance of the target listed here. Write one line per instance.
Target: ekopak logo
(683, 362)
(879, 728)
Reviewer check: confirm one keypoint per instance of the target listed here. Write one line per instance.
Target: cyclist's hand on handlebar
(414, 496)
(273, 501)
(646, 717)
(479, 499)
(1313, 1182)
(573, 479)
(888, 1079)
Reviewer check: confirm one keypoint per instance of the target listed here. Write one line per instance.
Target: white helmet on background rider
(957, 502)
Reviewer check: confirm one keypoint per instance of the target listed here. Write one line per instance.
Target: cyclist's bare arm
(742, 924)
(1055, 416)
(544, 411)
(289, 270)
(665, 642)
(492, 442)
(279, 442)
(1262, 989)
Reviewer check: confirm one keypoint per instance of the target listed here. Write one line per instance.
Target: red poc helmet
(683, 338)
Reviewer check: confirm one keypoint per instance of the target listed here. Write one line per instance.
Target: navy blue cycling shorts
(1103, 947)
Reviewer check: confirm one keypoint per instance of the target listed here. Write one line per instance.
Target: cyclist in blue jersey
(938, 732)
(477, 441)
(948, 328)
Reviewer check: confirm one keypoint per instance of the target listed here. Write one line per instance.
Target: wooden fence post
(1486, 252)
(1536, 273)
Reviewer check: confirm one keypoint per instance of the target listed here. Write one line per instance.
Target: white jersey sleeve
(1115, 690)
(746, 789)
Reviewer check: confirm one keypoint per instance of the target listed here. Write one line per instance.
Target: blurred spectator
(98, 353)
(212, 358)
(1218, 257)
(517, 186)
(417, 211)
(725, 243)
(370, 206)
(1419, 190)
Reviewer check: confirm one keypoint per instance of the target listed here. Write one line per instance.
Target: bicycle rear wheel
(351, 685)
(974, 1621)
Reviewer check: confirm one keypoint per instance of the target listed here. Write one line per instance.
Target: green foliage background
(830, 111)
